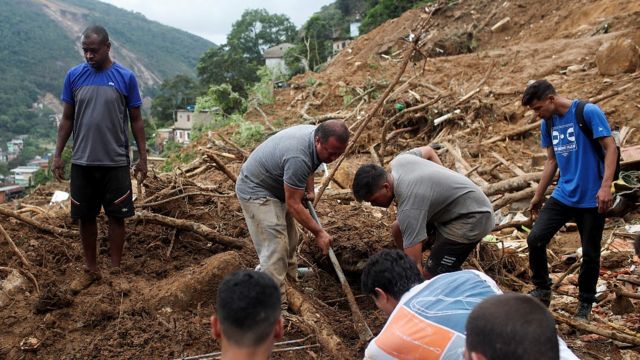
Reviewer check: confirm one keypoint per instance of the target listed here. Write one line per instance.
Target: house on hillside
(341, 39)
(15, 146)
(23, 175)
(274, 58)
(39, 162)
(3, 156)
(185, 121)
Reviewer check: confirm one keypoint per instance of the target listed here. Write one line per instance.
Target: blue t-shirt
(101, 100)
(581, 167)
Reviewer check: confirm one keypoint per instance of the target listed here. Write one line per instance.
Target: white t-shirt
(429, 321)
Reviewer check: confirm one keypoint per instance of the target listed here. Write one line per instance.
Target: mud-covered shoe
(84, 280)
(543, 295)
(583, 311)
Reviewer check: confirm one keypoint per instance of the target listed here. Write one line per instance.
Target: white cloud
(212, 19)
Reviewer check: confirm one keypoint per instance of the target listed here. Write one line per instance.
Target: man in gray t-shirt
(272, 185)
(434, 204)
(101, 100)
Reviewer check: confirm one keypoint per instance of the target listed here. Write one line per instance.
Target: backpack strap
(549, 124)
(588, 132)
(581, 121)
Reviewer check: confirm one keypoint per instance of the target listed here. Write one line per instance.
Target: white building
(23, 175)
(185, 121)
(274, 58)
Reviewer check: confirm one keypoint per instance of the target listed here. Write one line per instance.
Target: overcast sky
(212, 19)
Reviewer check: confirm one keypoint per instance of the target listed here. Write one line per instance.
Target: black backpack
(586, 130)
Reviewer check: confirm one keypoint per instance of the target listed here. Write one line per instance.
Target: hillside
(40, 41)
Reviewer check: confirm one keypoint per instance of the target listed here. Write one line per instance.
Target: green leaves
(222, 97)
(237, 62)
(174, 93)
(256, 31)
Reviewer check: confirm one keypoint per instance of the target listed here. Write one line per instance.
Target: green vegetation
(238, 61)
(42, 176)
(221, 97)
(37, 51)
(379, 11)
(166, 50)
(174, 93)
(249, 134)
(29, 38)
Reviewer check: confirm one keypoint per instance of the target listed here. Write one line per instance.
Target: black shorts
(447, 255)
(94, 187)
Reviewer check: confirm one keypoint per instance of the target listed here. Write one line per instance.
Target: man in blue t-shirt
(587, 167)
(100, 99)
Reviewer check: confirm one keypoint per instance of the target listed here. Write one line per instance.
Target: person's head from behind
(248, 312)
(371, 184)
(541, 97)
(96, 46)
(331, 140)
(387, 276)
(511, 326)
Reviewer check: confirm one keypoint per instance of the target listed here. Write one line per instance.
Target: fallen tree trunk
(44, 227)
(514, 224)
(513, 184)
(518, 131)
(304, 307)
(462, 165)
(513, 197)
(15, 249)
(181, 196)
(195, 286)
(187, 225)
(585, 326)
(221, 166)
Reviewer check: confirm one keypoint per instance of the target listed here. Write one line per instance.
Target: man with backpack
(578, 141)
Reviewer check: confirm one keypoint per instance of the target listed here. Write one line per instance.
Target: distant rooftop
(277, 51)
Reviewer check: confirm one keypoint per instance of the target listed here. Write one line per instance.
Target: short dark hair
(536, 91)
(332, 129)
(392, 271)
(248, 307)
(368, 180)
(97, 30)
(512, 326)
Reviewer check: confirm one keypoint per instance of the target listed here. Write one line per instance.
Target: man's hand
(58, 168)
(140, 171)
(324, 241)
(534, 206)
(605, 199)
(309, 196)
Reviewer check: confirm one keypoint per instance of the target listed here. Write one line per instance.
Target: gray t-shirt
(101, 100)
(427, 193)
(288, 157)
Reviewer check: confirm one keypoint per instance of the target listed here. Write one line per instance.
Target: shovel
(364, 333)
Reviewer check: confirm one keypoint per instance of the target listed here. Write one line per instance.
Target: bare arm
(430, 154)
(310, 191)
(415, 254)
(64, 132)
(293, 199)
(549, 172)
(137, 128)
(604, 196)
